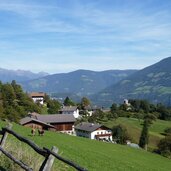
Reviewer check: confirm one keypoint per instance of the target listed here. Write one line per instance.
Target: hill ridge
(152, 83)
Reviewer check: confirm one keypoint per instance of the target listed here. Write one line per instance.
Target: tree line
(14, 102)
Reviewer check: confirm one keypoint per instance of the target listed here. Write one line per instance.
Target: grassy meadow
(91, 154)
(134, 127)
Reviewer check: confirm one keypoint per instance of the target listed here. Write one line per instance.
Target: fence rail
(48, 154)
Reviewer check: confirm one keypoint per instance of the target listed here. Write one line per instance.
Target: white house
(37, 97)
(93, 131)
(73, 110)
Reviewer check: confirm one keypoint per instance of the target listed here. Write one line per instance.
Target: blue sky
(64, 35)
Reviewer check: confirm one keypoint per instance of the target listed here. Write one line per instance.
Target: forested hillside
(152, 83)
(14, 102)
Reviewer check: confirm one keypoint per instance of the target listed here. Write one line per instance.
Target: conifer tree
(144, 138)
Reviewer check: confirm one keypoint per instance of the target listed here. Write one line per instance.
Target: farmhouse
(37, 97)
(35, 123)
(73, 110)
(93, 131)
(58, 122)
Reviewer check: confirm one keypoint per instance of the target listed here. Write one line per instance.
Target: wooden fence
(49, 155)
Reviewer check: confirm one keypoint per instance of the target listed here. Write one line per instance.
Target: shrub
(164, 146)
(120, 134)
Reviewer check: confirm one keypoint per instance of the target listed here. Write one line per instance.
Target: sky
(65, 35)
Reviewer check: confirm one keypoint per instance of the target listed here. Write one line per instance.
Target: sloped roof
(68, 108)
(86, 126)
(56, 118)
(37, 94)
(29, 119)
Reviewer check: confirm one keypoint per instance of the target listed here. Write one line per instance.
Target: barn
(58, 122)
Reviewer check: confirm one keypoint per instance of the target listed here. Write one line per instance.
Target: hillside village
(43, 115)
(85, 121)
(65, 121)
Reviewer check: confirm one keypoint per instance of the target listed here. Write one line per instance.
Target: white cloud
(66, 37)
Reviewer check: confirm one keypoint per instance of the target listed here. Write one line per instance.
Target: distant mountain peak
(7, 75)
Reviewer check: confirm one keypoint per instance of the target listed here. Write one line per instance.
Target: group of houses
(65, 122)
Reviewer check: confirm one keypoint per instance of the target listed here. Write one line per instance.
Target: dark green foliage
(149, 118)
(142, 108)
(85, 102)
(14, 103)
(120, 134)
(68, 102)
(97, 116)
(113, 108)
(165, 113)
(164, 146)
(145, 106)
(112, 114)
(144, 138)
(53, 106)
(123, 107)
(168, 131)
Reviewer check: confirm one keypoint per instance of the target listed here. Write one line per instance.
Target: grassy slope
(97, 156)
(134, 127)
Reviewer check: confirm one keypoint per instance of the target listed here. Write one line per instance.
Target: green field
(134, 127)
(97, 156)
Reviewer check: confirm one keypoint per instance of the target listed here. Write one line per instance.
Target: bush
(167, 131)
(120, 134)
(164, 146)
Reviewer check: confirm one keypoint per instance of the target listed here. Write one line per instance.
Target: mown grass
(134, 127)
(95, 155)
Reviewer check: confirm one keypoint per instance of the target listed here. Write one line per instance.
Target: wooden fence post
(4, 137)
(48, 162)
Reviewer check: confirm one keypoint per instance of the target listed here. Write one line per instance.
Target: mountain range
(152, 83)
(104, 87)
(77, 83)
(19, 75)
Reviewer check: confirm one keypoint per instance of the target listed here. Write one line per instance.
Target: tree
(164, 146)
(113, 108)
(144, 138)
(135, 104)
(85, 102)
(150, 118)
(68, 102)
(8, 95)
(14, 103)
(53, 106)
(167, 131)
(120, 134)
(164, 113)
(97, 116)
(112, 114)
(145, 106)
